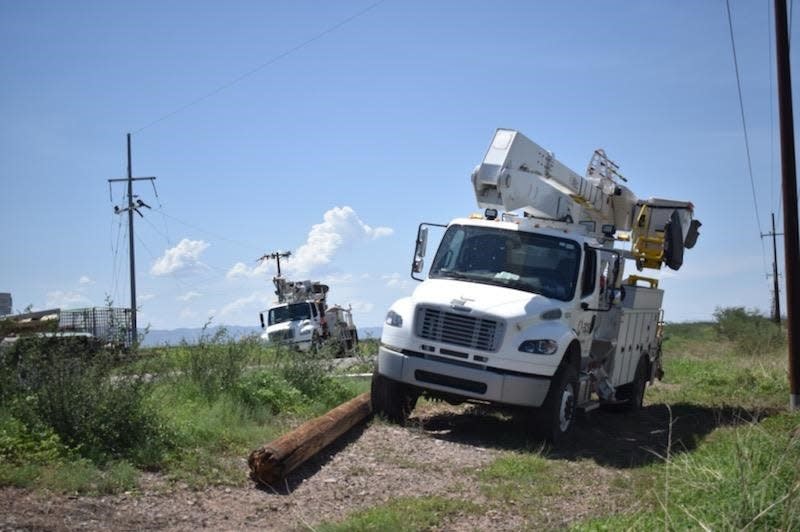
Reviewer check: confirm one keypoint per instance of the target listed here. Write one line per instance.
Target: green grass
(741, 475)
(520, 477)
(72, 421)
(739, 478)
(77, 476)
(404, 515)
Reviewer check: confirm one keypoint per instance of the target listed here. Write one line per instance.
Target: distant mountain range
(156, 337)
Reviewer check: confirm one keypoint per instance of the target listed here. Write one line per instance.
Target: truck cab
(299, 324)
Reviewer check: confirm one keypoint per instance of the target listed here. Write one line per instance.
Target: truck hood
(489, 299)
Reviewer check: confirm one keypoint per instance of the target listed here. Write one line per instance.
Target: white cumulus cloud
(362, 306)
(84, 280)
(241, 270)
(67, 299)
(396, 280)
(188, 296)
(251, 304)
(341, 227)
(183, 258)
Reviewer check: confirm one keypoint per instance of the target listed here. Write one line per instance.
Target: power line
(211, 266)
(240, 243)
(269, 62)
(744, 129)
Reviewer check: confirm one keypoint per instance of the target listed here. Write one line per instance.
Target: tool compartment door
(637, 331)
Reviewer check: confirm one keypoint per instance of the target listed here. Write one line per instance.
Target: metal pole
(789, 186)
(775, 284)
(134, 332)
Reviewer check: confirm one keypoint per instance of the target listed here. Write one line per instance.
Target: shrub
(752, 332)
(217, 362)
(22, 445)
(266, 388)
(52, 385)
(309, 372)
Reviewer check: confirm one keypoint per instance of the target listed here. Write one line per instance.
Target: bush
(266, 388)
(20, 445)
(309, 372)
(51, 385)
(217, 362)
(752, 332)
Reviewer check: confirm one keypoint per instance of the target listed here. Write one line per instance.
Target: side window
(589, 273)
(314, 309)
(449, 250)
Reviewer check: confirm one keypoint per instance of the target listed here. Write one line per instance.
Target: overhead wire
(163, 218)
(119, 268)
(744, 130)
(115, 247)
(182, 284)
(247, 245)
(263, 65)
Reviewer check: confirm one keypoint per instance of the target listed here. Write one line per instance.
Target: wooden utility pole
(271, 463)
(132, 206)
(789, 187)
(776, 306)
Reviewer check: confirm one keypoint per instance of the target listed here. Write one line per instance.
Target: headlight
(539, 347)
(394, 319)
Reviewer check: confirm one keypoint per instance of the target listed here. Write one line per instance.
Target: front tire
(559, 410)
(391, 399)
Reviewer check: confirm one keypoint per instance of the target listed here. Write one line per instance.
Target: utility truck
(527, 305)
(301, 317)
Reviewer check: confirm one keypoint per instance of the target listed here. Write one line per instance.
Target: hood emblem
(460, 305)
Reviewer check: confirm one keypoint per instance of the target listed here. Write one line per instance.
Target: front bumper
(488, 384)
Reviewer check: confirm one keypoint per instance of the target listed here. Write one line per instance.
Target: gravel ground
(370, 466)
(439, 454)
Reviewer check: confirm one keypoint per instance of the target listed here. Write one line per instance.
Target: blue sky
(339, 149)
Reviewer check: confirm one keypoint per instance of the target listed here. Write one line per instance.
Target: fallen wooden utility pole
(271, 463)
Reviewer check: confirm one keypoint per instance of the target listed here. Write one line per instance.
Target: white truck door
(586, 313)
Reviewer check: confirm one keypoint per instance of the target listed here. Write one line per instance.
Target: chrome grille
(458, 329)
(279, 336)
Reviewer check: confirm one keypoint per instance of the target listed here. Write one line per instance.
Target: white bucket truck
(531, 308)
(301, 317)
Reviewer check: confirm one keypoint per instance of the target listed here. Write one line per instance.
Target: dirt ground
(438, 454)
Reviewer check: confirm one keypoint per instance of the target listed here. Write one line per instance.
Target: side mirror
(422, 243)
(419, 251)
(418, 263)
(616, 296)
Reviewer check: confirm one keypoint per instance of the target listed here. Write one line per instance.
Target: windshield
(535, 263)
(295, 311)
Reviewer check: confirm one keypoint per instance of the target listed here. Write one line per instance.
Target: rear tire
(633, 392)
(557, 414)
(391, 399)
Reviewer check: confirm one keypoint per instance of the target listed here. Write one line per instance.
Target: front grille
(280, 336)
(458, 329)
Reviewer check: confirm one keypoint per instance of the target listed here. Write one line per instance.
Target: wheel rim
(566, 409)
